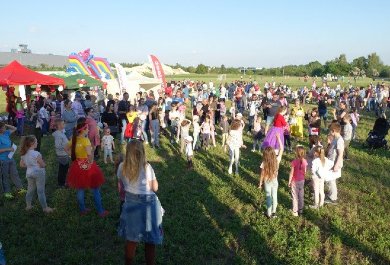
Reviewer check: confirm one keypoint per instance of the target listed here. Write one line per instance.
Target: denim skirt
(141, 219)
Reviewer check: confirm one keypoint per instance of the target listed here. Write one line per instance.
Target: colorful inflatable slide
(86, 64)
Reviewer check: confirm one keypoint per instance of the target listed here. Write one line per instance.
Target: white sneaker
(230, 171)
(253, 150)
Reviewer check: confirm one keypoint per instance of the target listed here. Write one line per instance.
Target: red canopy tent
(17, 74)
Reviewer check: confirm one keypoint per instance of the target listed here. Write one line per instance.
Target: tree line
(371, 66)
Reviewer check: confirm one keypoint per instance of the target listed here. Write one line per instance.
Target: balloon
(60, 88)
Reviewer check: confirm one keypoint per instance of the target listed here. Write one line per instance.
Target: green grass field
(212, 217)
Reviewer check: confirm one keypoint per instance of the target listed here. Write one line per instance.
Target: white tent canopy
(136, 81)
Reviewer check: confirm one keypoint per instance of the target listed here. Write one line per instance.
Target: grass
(212, 217)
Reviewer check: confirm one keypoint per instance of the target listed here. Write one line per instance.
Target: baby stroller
(376, 137)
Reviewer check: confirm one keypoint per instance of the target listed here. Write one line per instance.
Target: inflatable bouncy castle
(85, 63)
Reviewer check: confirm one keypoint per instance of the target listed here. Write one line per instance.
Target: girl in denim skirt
(141, 218)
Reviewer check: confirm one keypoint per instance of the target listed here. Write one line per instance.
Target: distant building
(31, 59)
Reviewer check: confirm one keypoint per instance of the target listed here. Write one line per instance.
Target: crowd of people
(273, 116)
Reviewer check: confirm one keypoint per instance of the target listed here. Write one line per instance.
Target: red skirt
(84, 175)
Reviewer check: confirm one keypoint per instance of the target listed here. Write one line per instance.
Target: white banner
(122, 78)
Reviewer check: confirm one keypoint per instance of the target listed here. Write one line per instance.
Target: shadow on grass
(217, 234)
(329, 229)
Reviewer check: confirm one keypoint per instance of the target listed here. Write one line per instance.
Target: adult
(70, 118)
(110, 119)
(297, 115)
(273, 105)
(44, 117)
(8, 165)
(314, 126)
(83, 172)
(154, 125)
(322, 106)
(238, 94)
(143, 111)
(77, 106)
(123, 108)
(341, 112)
(335, 153)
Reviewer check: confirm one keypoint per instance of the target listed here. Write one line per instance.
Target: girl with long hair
(83, 172)
(269, 176)
(35, 174)
(235, 142)
(297, 179)
(141, 218)
(321, 169)
(277, 129)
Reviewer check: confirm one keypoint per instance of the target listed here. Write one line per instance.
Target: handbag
(129, 130)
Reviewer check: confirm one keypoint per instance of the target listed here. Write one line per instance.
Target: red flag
(157, 70)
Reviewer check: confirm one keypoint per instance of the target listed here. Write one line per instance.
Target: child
(8, 165)
(20, 116)
(355, 119)
(52, 126)
(35, 173)
(121, 191)
(184, 132)
(108, 145)
(189, 151)
(60, 141)
(257, 133)
(269, 176)
(137, 129)
(335, 153)
(224, 125)
(278, 128)
(140, 185)
(206, 130)
(297, 180)
(234, 143)
(196, 132)
(347, 134)
(321, 166)
(83, 172)
(287, 138)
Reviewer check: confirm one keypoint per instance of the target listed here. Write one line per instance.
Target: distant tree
(201, 69)
(385, 72)
(222, 69)
(374, 65)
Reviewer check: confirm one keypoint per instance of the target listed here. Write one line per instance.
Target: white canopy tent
(135, 81)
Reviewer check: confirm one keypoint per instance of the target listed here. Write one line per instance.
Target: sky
(234, 33)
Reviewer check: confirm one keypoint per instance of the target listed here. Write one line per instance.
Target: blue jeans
(2, 257)
(20, 126)
(96, 196)
(144, 124)
(45, 127)
(124, 123)
(271, 193)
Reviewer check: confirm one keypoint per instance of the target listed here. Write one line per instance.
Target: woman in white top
(234, 142)
(141, 217)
